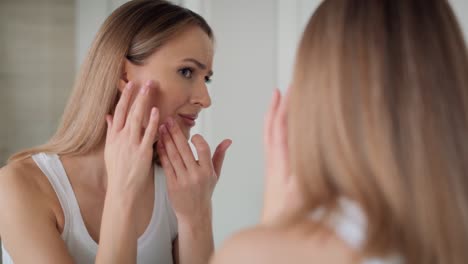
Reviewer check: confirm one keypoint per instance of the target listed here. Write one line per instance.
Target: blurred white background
(42, 43)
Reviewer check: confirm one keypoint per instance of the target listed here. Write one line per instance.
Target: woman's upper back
(337, 240)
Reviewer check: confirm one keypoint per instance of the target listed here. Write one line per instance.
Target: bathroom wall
(37, 43)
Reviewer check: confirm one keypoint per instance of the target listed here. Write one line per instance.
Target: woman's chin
(186, 132)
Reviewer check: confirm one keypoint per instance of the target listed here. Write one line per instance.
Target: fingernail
(129, 85)
(153, 112)
(148, 83)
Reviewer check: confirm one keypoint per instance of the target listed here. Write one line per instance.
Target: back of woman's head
(132, 32)
(379, 114)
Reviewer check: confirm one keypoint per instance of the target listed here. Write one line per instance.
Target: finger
(171, 176)
(152, 129)
(269, 117)
(181, 144)
(280, 137)
(280, 121)
(203, 151)
(139, 107)
(173, 154)
(121, 110)
(219, 154)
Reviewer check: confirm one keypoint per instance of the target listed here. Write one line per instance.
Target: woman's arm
(118, 235)
(190, 185)
(194, 243)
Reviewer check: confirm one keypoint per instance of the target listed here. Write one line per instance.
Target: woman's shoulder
(23, 180)
(21, 174)
(294, 244)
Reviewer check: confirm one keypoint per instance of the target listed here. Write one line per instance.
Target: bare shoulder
(284, 245)
(23, 175)
(23, 184)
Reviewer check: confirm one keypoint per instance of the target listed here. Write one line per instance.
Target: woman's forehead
(190, 42)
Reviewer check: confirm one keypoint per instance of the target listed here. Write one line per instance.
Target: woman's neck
(87, 169)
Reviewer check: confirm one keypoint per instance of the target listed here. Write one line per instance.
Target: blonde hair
(134, 31)
(379, 113)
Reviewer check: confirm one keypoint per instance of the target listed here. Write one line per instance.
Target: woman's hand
(129, 147)
(190, 182)
(128, 154)
(281, 195)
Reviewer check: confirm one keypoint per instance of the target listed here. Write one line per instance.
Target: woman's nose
(201, 96)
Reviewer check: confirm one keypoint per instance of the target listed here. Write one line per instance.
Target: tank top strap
(52, 168)
(165, 201)
(350, 224)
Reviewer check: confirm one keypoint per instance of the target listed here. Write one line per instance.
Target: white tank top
(349, 224)
(154, 245)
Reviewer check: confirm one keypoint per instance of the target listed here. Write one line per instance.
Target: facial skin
(181, 68)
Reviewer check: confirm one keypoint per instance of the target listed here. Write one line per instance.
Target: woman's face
(181, 67)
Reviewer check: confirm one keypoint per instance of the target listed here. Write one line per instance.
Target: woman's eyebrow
(199, 64)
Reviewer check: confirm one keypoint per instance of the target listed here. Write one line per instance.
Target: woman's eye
(207, 79)
(186, 72)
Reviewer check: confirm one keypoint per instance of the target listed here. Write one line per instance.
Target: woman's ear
(123, 81)
(124, 76)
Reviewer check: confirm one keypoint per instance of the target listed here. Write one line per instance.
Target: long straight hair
(132, 32)
(379, 114)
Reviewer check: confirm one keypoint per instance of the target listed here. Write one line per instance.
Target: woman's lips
(189, 120)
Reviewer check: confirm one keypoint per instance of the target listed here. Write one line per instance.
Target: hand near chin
(281, 195)
(128, 151)
(190, 182)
